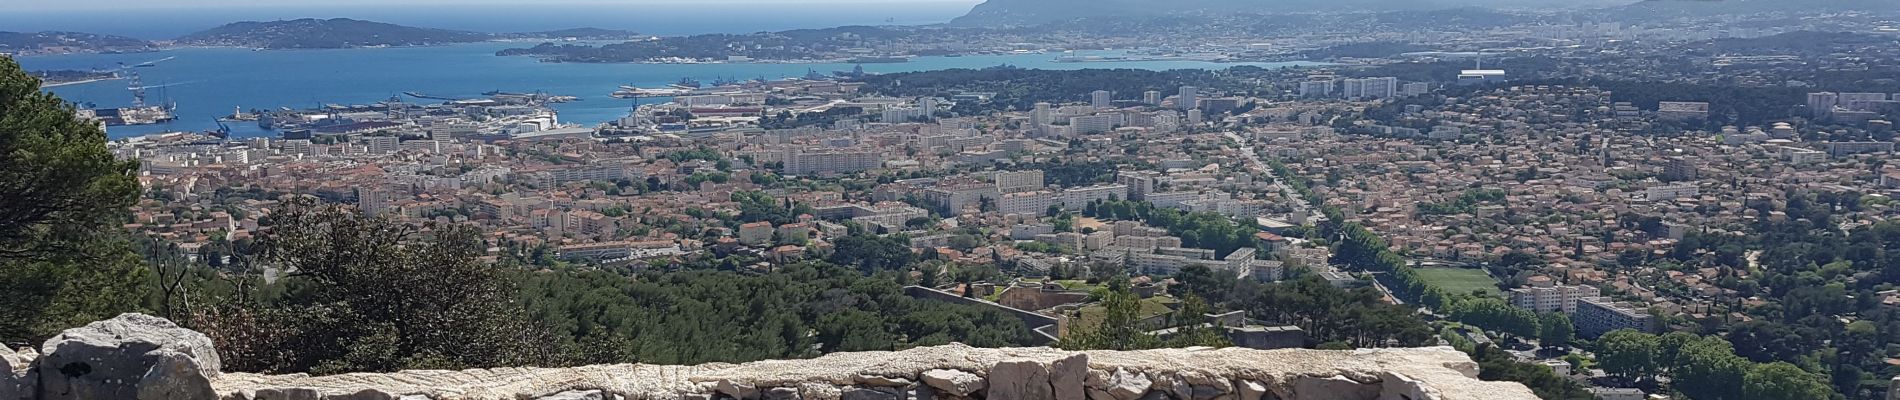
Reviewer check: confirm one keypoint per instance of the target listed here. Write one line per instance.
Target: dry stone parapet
(142, 357)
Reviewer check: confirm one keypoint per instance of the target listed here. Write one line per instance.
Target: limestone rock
(780, 393)
(174, 376)
(871, 393)
(287, 394)
(1179, 387)
(10, 386)
(954, 382)
(1066, 376)
(1097, 378)
(1333, 388)
(819, 391)
(737, 390)
(1020, 379)
(135, 357)
(1126, 385)
(1250, 390)
(110, 359)
(576, 395)
(885, 381)
(1205, 392)
(20, 366)
(1399, 386)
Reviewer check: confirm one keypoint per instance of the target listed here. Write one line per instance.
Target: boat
(424, 96)
(153, 63)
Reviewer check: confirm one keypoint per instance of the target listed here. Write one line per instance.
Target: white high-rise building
(1098, 123)
(898, 115)
(1353, 89)
(1415, 89)
(1316, 88)
(929, 104)
(1544, 296)
(1018, 181)
(1368, 88)
(1152, 97)
(1100, 99)
(382, 144)
(1381, 88)
(1041, 116)
(373, 201)
(1822, 104)
(831, 161)
(1189, 98)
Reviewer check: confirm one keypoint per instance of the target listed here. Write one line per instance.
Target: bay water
(206, 83)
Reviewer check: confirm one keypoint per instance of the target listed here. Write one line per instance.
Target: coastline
(78, 82)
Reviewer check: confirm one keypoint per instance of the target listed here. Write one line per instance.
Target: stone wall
(147, 358)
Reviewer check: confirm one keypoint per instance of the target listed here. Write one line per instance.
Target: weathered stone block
(113, 359)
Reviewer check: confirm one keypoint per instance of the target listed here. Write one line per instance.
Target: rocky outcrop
(142, 357)
(17, 379)
(132, 356)
(950, 372)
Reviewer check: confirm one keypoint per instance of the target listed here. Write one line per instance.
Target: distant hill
(1029, 12)
(1672, 8)
(325, 34)
(28, 43)
(339, 33)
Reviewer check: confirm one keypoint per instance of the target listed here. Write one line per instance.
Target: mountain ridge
(335, 33)
(1029, 12)
(48, 42)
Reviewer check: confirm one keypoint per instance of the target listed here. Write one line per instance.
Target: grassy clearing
(1459, 280)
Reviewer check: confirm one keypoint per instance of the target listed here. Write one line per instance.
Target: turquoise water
(208, 82)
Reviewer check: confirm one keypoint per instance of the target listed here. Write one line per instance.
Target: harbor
(206, 83)
(140, 112)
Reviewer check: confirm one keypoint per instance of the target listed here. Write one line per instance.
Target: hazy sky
(63, 5)
(166, 19)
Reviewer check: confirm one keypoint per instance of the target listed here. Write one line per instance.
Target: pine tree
(64, 260)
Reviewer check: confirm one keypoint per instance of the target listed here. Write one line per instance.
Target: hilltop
(310, 33)
(1676, 8)
(29, 43)
(1026, 12)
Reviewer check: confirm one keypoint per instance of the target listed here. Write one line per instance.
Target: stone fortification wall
(148, 358)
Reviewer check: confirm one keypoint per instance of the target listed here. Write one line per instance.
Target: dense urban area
(1631, 203)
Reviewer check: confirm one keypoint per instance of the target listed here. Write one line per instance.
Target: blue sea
(209, 82)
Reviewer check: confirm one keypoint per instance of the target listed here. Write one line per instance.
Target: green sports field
(1459, 280)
